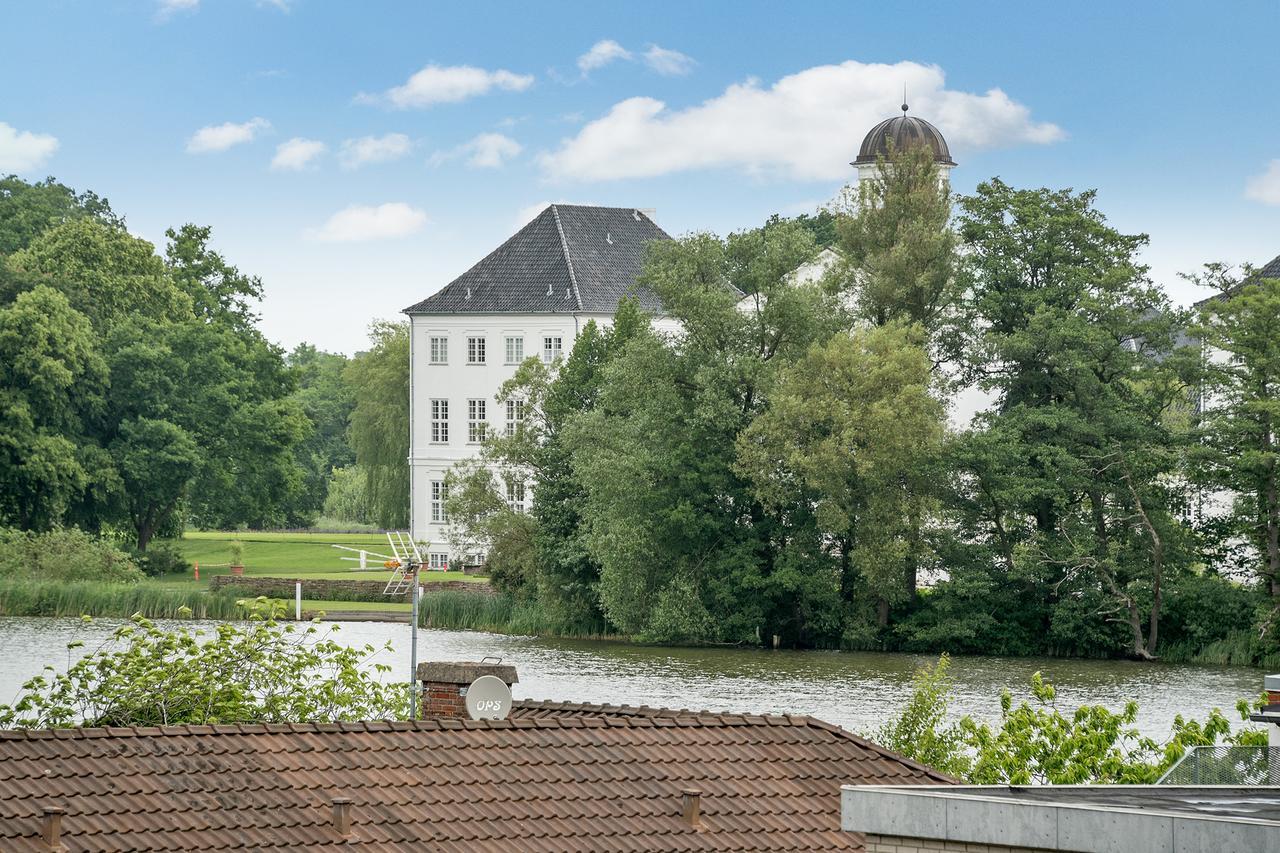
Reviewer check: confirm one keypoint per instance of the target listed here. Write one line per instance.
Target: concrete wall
(903, 844)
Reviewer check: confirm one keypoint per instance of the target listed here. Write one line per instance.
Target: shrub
(162, 558)
(64, 554)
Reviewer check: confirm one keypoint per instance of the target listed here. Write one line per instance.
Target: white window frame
(515, 416)
(552, 348)
(516, 496)
(438, 349)
(439, 494)
(439, 421)
(477, 420)
(438, 562)
(515, 349)
(475, 349)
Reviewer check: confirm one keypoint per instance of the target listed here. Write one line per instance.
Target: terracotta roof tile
(555, 777)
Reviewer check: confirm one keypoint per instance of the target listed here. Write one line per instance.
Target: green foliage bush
(162, 558)
(64, 554)
(1036, 743)
(258, 672)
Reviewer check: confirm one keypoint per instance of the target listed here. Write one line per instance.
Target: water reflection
(857, 690)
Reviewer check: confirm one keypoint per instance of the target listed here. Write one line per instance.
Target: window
(439, 350)
(476, 421)
(438, 562)
(515, 350)
(439, 494)
(515, 415)
(515, 496)
(439, 421)
(475, 350)
(550, 349)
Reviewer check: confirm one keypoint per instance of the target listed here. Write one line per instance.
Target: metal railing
(1226, 765)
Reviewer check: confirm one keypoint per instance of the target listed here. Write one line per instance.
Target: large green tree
(327, 400)
(379, 432)
(1077, 347)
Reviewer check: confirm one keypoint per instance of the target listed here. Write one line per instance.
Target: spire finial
(904, 99)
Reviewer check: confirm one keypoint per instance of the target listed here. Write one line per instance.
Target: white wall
(458, 382)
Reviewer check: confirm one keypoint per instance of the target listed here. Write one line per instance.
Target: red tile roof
(554, 777)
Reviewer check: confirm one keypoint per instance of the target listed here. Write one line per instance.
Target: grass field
(301, 555)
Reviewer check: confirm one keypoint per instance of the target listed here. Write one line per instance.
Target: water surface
(857, 690)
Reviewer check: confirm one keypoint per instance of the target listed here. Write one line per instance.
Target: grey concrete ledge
(978, 815)
(464, 672)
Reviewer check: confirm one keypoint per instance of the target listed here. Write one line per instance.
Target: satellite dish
(488, 698)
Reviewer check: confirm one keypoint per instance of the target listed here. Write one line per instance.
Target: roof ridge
(568, 258)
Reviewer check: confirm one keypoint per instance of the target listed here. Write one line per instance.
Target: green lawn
(289, 555)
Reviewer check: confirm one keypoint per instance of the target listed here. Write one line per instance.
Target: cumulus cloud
(166, 9)
(359, 223)
(806, 126)
(486, 151)
(21, 150)
(670, 63)
(438, 84)
(1264, 187)
(220, 137)
(601, 54)
(297, 154)
(373, 149)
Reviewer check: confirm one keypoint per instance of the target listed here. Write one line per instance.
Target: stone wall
(321, 589)
(900, 844)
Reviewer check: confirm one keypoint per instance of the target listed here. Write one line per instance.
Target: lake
(857, 690)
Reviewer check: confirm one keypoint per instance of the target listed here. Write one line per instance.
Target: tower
(902, 131)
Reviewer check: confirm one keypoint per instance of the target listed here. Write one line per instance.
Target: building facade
(529, 298)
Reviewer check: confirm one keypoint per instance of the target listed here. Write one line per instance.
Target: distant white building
(530, 297)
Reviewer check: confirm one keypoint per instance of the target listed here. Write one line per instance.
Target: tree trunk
(1133, 617)
(1157, 565)
(882, 612)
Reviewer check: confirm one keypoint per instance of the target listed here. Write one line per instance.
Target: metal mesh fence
(1226, 765)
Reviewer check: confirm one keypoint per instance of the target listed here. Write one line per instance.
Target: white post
(364, 557)
(297, 600)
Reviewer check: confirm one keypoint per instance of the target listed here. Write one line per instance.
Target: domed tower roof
(905, 131)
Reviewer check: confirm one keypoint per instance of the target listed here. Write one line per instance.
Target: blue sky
(358, 156)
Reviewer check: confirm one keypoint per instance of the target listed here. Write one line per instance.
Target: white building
(530, 297)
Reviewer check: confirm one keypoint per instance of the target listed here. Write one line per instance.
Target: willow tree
(379, 431)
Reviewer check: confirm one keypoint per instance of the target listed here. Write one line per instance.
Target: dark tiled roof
(569, 258)
(556, 777)
(1267, 270)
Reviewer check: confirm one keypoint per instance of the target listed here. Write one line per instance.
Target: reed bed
(29, 597)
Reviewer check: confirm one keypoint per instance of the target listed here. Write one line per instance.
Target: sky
(360, 155)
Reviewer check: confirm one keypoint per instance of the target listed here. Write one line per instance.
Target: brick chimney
(444, 685)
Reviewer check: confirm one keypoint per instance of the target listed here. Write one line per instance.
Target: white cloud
(359, 223)
(1264, 187)
(220, 137)
(297, 154)
(806, 126)
(671, 63)
(373, 149)
(486, 151)
(166, 9)
(437, 84)
(22, 150)
(282, 5)
(601, 54)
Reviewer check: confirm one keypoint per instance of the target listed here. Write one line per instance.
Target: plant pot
(238, 571)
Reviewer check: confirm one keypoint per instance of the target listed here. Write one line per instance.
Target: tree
(850, 430)
(327, 401)
(52, 380)
(156, 460)
(379, 432)
(1240, 448)
(898, 248)
(108, 274)
(1077, 347)
(480, 520)
(219, 292)
(29, 209)
(260, 672)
